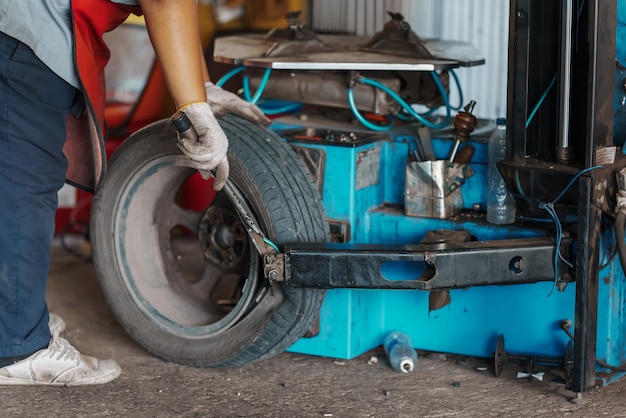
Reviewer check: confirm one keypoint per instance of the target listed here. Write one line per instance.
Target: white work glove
(223, 102)
(205, 143)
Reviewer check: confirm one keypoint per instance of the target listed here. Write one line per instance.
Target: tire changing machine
(428, 263)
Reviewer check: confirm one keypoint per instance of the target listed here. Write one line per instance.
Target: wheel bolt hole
(239, 248)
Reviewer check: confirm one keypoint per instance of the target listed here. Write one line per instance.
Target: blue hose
(405, 106)
(229, 75)
(285, 106)
(360, 118)
(259, 91)
(289, 107)
(269, 107)
(405, 117)
(460, 90)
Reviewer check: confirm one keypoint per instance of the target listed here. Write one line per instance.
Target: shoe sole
(100, 380)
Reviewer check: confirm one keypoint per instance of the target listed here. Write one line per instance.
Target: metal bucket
(433, 188)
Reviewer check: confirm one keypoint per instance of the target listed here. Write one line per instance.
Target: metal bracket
(274, 267)
(447, 266)
(273, 261)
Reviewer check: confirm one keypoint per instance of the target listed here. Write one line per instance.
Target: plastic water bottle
(500, 203)
(400, 352)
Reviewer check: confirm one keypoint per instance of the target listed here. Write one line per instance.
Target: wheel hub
(223, 238)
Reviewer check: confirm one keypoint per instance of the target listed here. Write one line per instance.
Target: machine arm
(436, 266)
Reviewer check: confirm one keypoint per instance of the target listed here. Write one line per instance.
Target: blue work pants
(34, 106)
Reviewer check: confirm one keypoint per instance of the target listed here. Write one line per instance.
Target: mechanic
(52, 130)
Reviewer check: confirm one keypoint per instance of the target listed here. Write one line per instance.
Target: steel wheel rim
(155, 273)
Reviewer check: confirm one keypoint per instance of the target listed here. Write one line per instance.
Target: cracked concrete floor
(288, 385)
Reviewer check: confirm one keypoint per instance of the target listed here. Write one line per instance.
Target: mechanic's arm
(175, 35)
(174, 32)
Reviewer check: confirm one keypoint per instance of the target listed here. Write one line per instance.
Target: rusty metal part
(464, 124)
(273, 262)
(501, 356)
(274, 267)
(397, 38)
(439, 298)
(564, 155)
(343, 54)
(246, 217)
(294, 39)
(329, 88)
(223, 239)
(447, 265)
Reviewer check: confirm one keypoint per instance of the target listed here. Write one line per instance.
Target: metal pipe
(563, 150)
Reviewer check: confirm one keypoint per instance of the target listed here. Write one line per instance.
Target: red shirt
(91, 19)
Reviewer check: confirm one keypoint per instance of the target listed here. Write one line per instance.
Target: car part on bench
(188, 286)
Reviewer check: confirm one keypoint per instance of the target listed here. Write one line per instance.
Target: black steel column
(586, 316)
(601, 22)
(532, 66)
(602, 31)
(518, 69)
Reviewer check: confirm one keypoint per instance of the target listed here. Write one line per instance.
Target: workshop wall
(483, 23)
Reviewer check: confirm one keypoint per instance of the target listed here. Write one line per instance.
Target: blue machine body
(363, 186)
(368, 193)
(619, 126)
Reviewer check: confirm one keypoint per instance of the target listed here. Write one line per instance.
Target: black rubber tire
(135, 273)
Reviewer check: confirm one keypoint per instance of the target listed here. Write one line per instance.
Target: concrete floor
(288, 385)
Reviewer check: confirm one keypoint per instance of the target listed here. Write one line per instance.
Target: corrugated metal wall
(484, 23)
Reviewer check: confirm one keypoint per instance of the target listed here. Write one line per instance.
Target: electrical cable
(573, 180)
(619, 237)
(540, 102)
(271, 244)
(610, 367)
(565, 326)
(547, 90)
(549, 207)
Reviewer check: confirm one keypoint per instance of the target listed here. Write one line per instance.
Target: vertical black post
(518, 70)
(601, 22)
(602, 34)
(532, 67)
(533, 64)
(586, 316)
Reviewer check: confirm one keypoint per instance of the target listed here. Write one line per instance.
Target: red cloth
(84, 147)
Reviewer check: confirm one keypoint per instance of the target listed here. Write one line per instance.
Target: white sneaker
(59, 365)
(56, 323)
